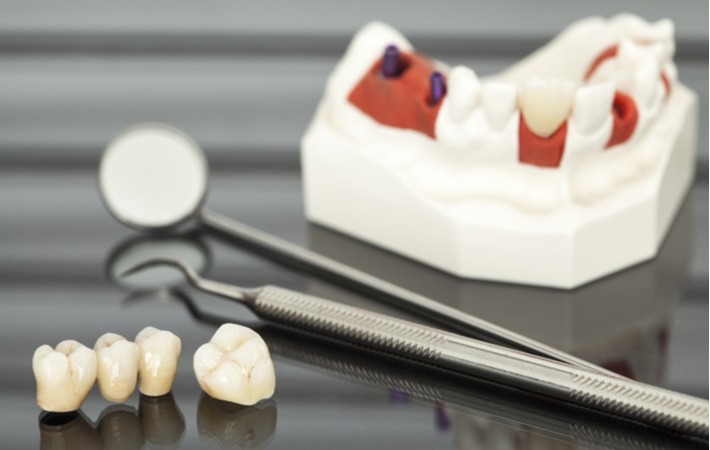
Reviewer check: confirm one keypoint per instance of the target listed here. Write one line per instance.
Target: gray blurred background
(244, 78)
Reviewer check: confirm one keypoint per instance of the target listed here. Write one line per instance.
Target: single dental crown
(565, 168)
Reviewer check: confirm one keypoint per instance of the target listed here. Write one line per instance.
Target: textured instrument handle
(352, 324)
(621, 397)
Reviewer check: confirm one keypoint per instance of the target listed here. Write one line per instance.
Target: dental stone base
(350, 191)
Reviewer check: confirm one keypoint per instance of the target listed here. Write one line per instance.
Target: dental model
(118, 361)
(64, 375)
(159, 355)
(235, 366)
(567, 167)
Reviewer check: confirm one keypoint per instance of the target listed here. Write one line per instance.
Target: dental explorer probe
(620, 397)
(154, 178)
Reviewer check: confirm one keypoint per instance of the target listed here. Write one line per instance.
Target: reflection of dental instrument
(155, 178)
(620, 397)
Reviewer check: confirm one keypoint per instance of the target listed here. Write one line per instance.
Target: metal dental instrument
(621, 397)
(154, 177)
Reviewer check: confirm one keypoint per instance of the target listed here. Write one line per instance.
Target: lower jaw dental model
(567, 167)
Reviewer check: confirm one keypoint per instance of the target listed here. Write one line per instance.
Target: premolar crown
(117, 366)
(159, 355)
(546, 103)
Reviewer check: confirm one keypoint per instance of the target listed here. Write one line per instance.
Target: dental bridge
(155, 178)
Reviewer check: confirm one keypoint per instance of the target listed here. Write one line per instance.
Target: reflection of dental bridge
(464, 185)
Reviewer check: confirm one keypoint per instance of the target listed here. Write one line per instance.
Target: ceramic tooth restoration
(118, 361)
(159, 355)
(546, 103)
(235, 366)
(64, 375)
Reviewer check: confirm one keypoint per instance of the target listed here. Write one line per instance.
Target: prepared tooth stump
(567, 167)
(235, 366)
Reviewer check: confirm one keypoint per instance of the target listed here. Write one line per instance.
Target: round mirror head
(153, 177)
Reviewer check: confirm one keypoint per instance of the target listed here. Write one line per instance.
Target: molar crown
(64, 375)
(235, 366)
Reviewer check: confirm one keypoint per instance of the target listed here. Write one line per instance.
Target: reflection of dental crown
(546, 181)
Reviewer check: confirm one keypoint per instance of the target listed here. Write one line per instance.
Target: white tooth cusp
(159, 355)
(235, 366)
(545, 103)
(463, 92)
(64, 375)
(117, 366)
(592, 106)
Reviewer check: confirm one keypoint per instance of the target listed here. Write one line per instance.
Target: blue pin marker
(437, 88)
(390, 62)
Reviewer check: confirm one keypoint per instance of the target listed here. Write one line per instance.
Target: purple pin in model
(437, 87)
(390, 62)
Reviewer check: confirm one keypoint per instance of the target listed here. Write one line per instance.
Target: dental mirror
(154, 178)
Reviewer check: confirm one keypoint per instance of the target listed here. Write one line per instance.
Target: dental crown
(564, 168)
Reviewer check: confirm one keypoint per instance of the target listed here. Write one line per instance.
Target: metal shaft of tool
(621, 397)
(340, 273)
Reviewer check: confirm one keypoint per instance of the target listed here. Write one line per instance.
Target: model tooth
(499, 102)
(646, 81)
(629, 53)
(546, 103)
(117, 366)
(662, 30)
(159, 355)
(463, 92)
(64, 375)
(592, 106)
(235, 366)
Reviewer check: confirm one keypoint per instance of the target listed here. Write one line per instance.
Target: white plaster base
(486, 239)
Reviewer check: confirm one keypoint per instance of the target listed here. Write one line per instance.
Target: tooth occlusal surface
(235, 366)
(463, 92)
(592, 106)
(159, 355)
(499, 101)
(546, 103)
(117, 366)
(64, 375)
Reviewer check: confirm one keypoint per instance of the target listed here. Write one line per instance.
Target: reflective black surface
(60, 251)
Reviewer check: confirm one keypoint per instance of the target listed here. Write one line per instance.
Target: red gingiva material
(541, 151)
(402, 101)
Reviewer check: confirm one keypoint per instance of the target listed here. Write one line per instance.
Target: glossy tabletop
(60, 253)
